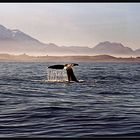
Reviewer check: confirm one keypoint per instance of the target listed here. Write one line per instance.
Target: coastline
(85, 58)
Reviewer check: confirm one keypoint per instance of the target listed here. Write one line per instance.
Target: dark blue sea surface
(106, 103)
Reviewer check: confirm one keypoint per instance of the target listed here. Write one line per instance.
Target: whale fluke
(68, 67)
(56, 67)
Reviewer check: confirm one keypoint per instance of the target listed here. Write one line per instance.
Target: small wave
(12, 79)
(115, 77)
(112, 93)
(57, 81)
(117, 135)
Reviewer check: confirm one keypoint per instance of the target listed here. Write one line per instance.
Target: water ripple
(106, 103)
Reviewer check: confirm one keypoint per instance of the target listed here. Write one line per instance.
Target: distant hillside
(97, 58)
(14, 41)
(137, 52)
(16, 35)
(112, 49)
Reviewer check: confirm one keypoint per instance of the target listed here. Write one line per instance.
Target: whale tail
(68, 67)
(71, 76)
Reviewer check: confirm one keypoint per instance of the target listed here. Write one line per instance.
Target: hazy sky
(78, 24)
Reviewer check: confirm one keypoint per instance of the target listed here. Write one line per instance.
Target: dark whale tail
(68, 67)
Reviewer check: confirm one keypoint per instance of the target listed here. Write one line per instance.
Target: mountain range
(14, 41)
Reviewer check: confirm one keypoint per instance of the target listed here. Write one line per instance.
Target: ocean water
(106, 103)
